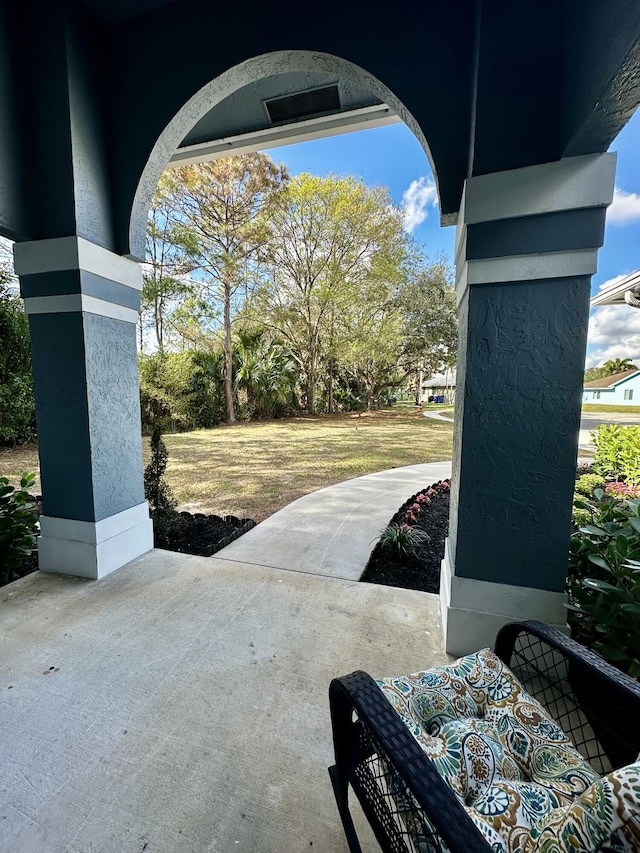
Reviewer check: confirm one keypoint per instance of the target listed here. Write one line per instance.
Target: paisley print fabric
(512, 767)
(606, 817)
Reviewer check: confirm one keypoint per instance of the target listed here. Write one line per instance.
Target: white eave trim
(614, 293)
(286, 134)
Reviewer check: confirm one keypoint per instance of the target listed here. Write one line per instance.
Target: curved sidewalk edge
(331, 532)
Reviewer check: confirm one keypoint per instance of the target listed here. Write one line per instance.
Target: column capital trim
(569, 184)
(75, 253)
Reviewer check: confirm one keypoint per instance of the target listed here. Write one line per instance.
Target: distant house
(621, 389)
(441, 386)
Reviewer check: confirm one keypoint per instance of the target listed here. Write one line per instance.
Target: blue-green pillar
(526, 248)
(83, 303)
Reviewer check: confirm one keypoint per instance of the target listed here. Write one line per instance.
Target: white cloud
(420, 194)
(625, 208)
(615, 331)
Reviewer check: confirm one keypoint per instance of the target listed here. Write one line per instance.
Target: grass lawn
(251, 470)
(596, 407)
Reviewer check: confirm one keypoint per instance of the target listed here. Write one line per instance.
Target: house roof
(610, 381)
(441, 380)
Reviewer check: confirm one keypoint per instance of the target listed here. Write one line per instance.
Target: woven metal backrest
(597, 706)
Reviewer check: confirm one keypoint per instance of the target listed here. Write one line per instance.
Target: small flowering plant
(402, 538)
(621, 490)
(416, 510)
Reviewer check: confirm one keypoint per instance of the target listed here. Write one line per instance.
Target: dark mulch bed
(202, 535)
(419, 568)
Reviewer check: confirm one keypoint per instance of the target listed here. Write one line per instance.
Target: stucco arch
(226, 84)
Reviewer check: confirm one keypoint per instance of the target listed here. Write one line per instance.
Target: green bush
(617, 454)
(180, 390)
(586, 484)
(17, 405)
(580, 516)
(603, 581)
(18, 524)
(162, 504)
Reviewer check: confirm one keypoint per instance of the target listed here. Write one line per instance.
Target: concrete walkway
(331, 532)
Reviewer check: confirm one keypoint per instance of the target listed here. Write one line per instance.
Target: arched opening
(225, 93)
(233, 81)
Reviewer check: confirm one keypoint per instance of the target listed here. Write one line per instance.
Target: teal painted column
(526, 247)
(83, 302)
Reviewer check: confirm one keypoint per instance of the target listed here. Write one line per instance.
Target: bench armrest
(398, 786)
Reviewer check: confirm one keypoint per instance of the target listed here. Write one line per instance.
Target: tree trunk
(228, 360)
(330, 402)
(311, 393)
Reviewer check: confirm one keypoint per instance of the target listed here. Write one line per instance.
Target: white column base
(93, 549)
(473, 611)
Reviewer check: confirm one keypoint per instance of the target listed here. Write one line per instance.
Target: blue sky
(391, 156)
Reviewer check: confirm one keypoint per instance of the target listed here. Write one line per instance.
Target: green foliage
(402, 538)
(17, 405)
(337, 254)
(156, 489)
(580, 516)
(181, 391)
(428, 303)
(17, 410)
(617, 456)
(609, 368)
(604, 581)
(18, 524)
(266, 371)
(206, 388)
(588, 482)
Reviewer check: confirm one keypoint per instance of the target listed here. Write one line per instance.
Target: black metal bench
(596, 705)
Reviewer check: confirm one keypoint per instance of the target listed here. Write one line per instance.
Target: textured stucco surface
(114, 414)
(519, 389)
(58, 349)
(88, 408)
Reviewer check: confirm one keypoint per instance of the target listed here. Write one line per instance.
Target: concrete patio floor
(180, 704)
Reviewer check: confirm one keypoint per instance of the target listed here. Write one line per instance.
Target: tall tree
(428, 304)
(331, 236)
(618, 365)
(224, 207)
(166, 281)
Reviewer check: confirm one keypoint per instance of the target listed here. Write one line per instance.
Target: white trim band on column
(529, 268)
(570, 184)
(75, 253)
(473, 611)
(79, 302)
(94, 549)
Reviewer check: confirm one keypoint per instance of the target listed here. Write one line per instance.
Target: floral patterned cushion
(508, 762)
(606, 817)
